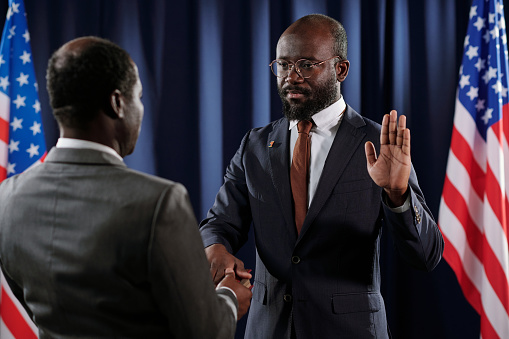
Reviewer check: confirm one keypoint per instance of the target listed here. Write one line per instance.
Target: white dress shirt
(85, 144)
(325, 127)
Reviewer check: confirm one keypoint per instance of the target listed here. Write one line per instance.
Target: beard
(324, 96)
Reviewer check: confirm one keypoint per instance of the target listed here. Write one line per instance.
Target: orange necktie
(299, 172)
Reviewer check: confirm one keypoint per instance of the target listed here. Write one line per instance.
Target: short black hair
(80, 80)
(338, 32)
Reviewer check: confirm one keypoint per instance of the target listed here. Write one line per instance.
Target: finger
(406, 142)
(393, 121)
(369, 148)
(401, 130)
(384, 133)
(240, 270)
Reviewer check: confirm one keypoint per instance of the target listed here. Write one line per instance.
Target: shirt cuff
(400, 209)
(228, 300)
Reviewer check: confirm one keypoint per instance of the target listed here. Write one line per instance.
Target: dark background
(204, 68)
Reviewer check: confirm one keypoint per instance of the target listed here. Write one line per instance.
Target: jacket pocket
(356, 302)
(260, 292)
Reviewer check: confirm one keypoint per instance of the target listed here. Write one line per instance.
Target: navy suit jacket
(326, 280)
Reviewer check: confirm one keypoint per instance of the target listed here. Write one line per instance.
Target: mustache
(295, 89)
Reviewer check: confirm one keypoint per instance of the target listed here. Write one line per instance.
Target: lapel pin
(271, 143)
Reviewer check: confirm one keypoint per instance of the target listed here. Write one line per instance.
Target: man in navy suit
(320, 277)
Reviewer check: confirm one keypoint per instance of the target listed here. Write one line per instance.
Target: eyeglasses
(304, 68)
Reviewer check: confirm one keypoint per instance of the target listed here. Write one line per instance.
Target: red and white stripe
(5, 102)
(473, 218)
(14, 321)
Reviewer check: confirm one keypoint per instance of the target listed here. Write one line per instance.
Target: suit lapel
(345, 144)
(278, 149)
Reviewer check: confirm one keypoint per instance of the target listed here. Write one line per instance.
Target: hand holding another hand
(243, 293)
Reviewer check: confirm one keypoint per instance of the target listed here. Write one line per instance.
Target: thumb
(369, 148)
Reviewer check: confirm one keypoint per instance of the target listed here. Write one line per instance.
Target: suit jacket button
(287, 298)
(295, 259)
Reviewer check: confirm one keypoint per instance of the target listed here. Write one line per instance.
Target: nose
(294, 76)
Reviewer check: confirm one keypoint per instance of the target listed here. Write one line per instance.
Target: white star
(473, 11)
(479, 23)
(497, 87)
(4, 82)
(20, 101)
(465, 80)
(467, 41)
(473, 92)
(504, 39)
(487, 115)
(9, 13)
(36, 128)
(480, 104)
(504, 91)
(2, 61)
(25, 57)
(10, 168)
(491, 18)
(13, 146)
(500, 8)
(480, 64)
(16, 123)
(22, 79)
(15, 7)
(37, 106)
(33, 150)
(494, 32)
(501, 23)
(26, 36)
(490, 74)
(472, 52)
(486, 37)
(36, 86)
(12, 32)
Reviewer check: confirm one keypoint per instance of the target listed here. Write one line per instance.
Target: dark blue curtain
(204, 68)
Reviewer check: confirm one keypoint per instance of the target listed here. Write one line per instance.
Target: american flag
(474, 206)
(21, 137)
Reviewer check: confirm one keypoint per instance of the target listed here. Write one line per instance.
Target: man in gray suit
(92, 248)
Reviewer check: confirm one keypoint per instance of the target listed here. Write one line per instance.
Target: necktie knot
(304, 126)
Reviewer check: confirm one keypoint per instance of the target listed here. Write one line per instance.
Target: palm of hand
(391, 170)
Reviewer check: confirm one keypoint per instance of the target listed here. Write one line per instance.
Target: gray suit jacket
(326, 280)
(94, 249)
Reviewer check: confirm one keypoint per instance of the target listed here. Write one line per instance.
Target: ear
(342, 68)
(117, 104)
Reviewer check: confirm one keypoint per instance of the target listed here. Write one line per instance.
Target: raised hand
(391, 169)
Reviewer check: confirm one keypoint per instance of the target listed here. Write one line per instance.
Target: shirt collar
(85, 144)
(326, 118)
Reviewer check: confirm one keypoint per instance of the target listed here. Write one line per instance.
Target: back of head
(81, 76)
(320, 21)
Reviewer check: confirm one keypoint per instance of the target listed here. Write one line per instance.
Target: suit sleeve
(415, 232)
(229, 219)
(180, 275)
